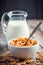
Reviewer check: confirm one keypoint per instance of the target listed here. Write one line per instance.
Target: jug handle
(3, 23)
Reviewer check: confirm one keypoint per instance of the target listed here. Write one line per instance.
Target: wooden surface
(6, 59)
(34, 8)
(31, 23)
(9, 59)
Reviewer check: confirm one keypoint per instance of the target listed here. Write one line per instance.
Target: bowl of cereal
(21, 50)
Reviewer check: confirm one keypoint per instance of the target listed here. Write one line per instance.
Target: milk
(16, 29)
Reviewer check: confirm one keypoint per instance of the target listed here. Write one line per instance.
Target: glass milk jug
(14, 24)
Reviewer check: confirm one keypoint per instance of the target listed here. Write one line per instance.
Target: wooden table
(31, 23)
(10, 59)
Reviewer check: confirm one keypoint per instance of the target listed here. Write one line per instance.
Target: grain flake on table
(9, 59)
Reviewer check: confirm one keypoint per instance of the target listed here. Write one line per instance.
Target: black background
(34, 8)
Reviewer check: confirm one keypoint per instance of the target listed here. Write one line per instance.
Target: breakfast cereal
(22, 42)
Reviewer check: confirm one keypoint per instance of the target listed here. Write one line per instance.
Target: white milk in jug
(16, 29)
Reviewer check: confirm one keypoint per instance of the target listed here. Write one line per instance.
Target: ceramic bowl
(23, 52)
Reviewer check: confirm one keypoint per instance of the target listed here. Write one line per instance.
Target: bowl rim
(23, 46)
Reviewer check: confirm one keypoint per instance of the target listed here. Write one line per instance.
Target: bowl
(23, 52)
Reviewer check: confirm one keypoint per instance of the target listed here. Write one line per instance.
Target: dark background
(34, 8)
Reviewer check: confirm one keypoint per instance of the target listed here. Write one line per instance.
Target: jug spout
(17, 15)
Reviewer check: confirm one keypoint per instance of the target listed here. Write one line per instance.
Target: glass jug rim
(17, 12)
